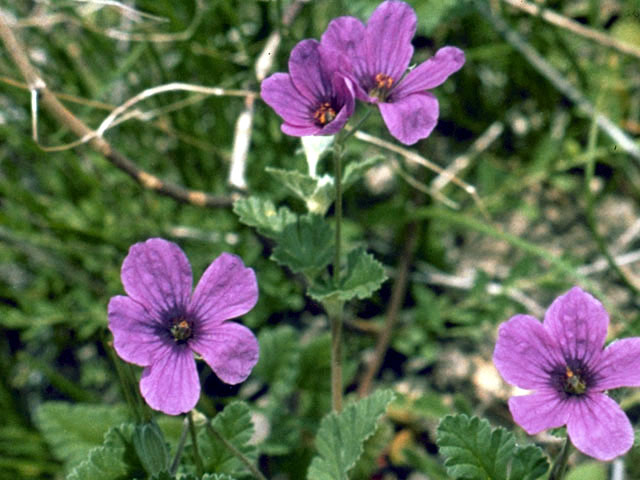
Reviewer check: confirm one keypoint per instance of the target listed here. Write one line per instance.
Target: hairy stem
(560, 465)
(335, 310)
(194, 442)
(183, 438)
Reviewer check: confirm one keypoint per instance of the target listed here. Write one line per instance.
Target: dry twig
(51, 103)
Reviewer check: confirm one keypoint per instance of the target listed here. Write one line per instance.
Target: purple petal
(280, 94)
(578, 322)
(388, 39)
(230, 349)
(226, 290)
(619, 365)
(308, 71)
(346, 35)
(171, 383)
(345, 96)
(525, 353)
(300, 131)
(137, 336)
(411, 118)
(539, 411)
(431, 73)
(599, 428)
(157, 274)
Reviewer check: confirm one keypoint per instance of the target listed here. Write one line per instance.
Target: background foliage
(68, 218)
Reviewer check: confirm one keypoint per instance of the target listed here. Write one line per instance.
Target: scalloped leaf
(263, 215)
(235, 425)
(306, 245)
(341, 436)
(115, 459)
(73, 430)
(476, 451)
(364, 276)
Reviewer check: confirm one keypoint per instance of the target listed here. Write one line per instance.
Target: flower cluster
(368, 62)
(563, 361)
(159, 325)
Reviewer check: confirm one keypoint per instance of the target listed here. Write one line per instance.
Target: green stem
(194, 442)
(241, 456)
(560, 465)
(129, 396)
(335, 308)
(180, 447)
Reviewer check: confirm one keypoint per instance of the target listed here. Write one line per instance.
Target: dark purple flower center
(324, 114)
(572, 379)
(181, 330)
(382, 84)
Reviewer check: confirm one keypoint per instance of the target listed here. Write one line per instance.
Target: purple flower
(562, 360)
(159, 325)
(313, 98)
(379, 54)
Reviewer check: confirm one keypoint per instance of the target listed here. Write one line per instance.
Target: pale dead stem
(563, 22)
(244, 123)
(126, 10)
(413, 157)
(43, 20)
(559, 81)
(51, 103)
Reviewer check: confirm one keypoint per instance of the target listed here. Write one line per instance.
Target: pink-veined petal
(157, 274)
(226, 290)
(599, 428)
(138, 337)
(346, 35)
(411, 118)
(308, 71)
(388, 37)
(539, 411)
(280, 94)
(619, 365)
(431, 73)
(171, 384)
(578, 323)
(525, 354)
(230, 349)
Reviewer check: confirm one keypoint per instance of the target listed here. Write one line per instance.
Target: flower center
(324, 114)
(574, 382)
(382, 84)
(181, 330)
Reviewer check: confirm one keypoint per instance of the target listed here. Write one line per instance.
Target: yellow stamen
(324, 114)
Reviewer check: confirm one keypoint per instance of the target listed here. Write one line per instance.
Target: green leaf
(217, 476)
(476, 451)
(116, 459)
(341, 436)
(262, 215)
(306, 245)
(151, 448)
(235, 425)
(529, 463)
(355, 170)
(73, 430)
(299, 183)
(364, 276)
(317, 192)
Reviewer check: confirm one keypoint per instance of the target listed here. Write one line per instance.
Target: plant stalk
(183, 438)
(560, 465)
(335, 307)
(194, 442)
